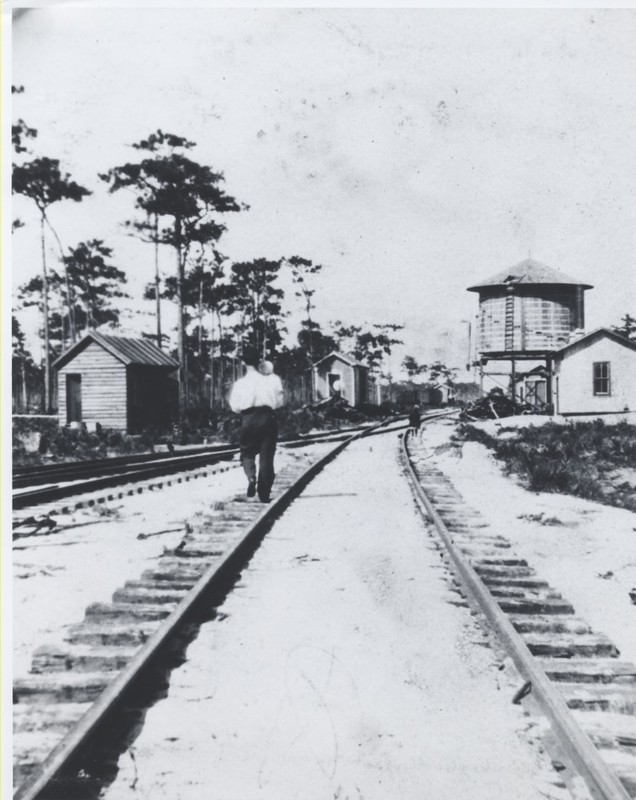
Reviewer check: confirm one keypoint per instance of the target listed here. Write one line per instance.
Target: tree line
(182, 205)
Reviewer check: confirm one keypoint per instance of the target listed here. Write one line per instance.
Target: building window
(601, 377)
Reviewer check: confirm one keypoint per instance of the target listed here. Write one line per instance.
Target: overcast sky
(412, 152)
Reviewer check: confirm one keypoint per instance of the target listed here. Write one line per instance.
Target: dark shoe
(251, 488)
(265, 499)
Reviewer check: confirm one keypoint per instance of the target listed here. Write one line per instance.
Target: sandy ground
(584, 549)
(55, 576)
(342, 670)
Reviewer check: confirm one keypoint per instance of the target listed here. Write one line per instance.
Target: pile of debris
(495, 405)
(337, 408)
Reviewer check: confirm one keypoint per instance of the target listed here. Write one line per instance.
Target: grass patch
(572, 459)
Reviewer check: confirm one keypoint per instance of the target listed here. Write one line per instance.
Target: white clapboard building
(595, 375)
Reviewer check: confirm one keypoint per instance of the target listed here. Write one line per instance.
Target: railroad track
(573, 675)
(81, 703)
(91, 476)
(26, 476)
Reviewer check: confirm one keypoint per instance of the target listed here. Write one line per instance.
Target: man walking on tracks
(255, 397)
(415, 419)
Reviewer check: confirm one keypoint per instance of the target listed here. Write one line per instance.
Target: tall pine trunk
(90, 304)
(309, 320)
(70, 297)
(200, 343)
(222, 367)
(212, 391)
(183, 392)
(70, 302)
(264, 336)
(24, 384)
(157, 282)
(45, 306)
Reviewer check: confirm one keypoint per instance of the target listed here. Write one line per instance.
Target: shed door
(335, 384)
(541, 392)
(363, 387)
(73, 398)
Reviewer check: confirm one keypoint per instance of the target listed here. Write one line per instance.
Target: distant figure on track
(254, 397)
(414, 419)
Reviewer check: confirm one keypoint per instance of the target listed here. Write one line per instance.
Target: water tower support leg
(548, 385)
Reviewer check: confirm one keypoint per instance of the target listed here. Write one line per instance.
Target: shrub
(114, 438)
(23, 429)
(572, 458)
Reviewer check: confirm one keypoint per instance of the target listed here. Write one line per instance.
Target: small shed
(342, 375)
(595, 375)
(441, 393)
(125, 384)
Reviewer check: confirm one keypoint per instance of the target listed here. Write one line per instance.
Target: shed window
(601, 377)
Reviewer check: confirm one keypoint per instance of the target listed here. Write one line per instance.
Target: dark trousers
(259, 433)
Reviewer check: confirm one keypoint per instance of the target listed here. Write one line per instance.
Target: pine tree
(258, 301)
(42, 181)
(169, 184)
(94, 283)
(628, 328)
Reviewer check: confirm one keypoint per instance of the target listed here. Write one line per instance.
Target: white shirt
(254, 390)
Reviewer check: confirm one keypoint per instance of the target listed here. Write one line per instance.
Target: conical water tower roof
(528, 272)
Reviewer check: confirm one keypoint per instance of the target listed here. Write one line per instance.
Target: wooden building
(595, 375)
(531, 387)
(120, 383)
(405, 394)
(342, 375)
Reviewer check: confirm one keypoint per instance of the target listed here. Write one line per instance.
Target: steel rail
(30, 475)
(114, 694)
(33, 475)
(576, 744)
(86, 470)
(167, 466)
(48, 494)
(170, 465)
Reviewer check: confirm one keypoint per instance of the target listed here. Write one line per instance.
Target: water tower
(526, 313)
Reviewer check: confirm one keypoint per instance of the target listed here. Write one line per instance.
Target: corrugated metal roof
(598, 333)
(528, 272)
(128, 351)
(352, 361)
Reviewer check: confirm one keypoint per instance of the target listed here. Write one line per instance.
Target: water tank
(528, 308)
